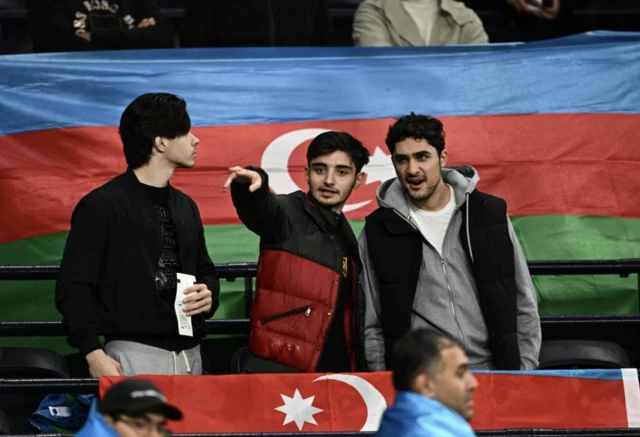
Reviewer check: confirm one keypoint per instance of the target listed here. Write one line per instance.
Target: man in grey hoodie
(437, 253)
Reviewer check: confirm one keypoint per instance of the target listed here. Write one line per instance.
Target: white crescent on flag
(373, 399)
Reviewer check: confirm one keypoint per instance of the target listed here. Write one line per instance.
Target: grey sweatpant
(138, 358)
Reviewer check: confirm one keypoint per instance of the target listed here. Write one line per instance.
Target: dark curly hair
(419, 127)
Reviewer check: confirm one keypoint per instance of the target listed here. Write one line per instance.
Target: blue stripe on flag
(591, 73)
(607, 374)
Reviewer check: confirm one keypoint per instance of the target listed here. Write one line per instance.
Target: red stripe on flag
(339, 402)
(581, 164)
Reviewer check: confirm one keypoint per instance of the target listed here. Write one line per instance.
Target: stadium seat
(582, 354)
(5, 428)
(28, 362)
(239, 360)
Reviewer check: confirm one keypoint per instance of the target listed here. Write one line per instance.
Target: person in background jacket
(396, 23)
(304, 314)
(129, 240)
(434, 388)
(438, 253)
(83, 25)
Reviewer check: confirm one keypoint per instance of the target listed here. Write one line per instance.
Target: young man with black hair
(438, 253)
(130, 239)
(434, 388)
(306, 305)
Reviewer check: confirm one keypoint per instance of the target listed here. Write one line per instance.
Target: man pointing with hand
(306, 311)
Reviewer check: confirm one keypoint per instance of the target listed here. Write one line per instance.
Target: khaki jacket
(384, 23)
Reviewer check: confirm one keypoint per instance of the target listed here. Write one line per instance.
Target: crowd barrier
(241, 326)
(569, 325)
(247, 272)
(624, 329)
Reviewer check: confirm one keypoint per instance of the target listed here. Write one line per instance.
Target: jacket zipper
(444, 268)
(446, 276)
(453, 306)
(306, 310)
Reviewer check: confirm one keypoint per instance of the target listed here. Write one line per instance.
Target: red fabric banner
(355, 402)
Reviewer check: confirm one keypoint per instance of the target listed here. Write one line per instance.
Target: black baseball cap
(136, 396)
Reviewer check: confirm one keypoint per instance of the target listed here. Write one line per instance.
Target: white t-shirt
(433, 224)
(424, 13)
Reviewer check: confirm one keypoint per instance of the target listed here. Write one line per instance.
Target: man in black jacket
(305, 315)
(83, 25)
(130, 242)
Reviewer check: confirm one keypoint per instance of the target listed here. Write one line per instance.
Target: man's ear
(359, 178)
(425, 385)
(159, 144)
(306, 174)
(444, 156)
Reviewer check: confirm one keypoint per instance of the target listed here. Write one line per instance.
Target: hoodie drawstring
(467, 220)
(186, 362)
(175, 362)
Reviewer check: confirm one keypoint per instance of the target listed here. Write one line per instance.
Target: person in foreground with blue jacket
(435, 388)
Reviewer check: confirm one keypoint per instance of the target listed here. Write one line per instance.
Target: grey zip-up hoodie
(447, 297)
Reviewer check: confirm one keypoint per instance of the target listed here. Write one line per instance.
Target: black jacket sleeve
(152, 37)
(263, 212)
(79, 271)
(52, 30)
(206, 270)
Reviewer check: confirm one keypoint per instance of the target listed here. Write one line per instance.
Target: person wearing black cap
(132, 408)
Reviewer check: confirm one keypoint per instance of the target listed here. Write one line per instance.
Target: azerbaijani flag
(552, 127)
(560, 399)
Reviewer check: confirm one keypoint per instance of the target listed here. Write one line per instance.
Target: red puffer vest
(293, 309)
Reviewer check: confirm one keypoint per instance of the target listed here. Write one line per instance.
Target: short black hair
(419, 127)
(416, 352)
(147, 117)
(332, 141)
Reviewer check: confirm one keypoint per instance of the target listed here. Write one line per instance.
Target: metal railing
(241, 326)
(232, 271)
(229, 272)
(247, 271)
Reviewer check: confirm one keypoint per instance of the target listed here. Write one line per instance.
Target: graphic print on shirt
(100, 14)
(169, 262)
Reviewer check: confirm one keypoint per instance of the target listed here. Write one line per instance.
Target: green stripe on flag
(565, 237)
(541, 237)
